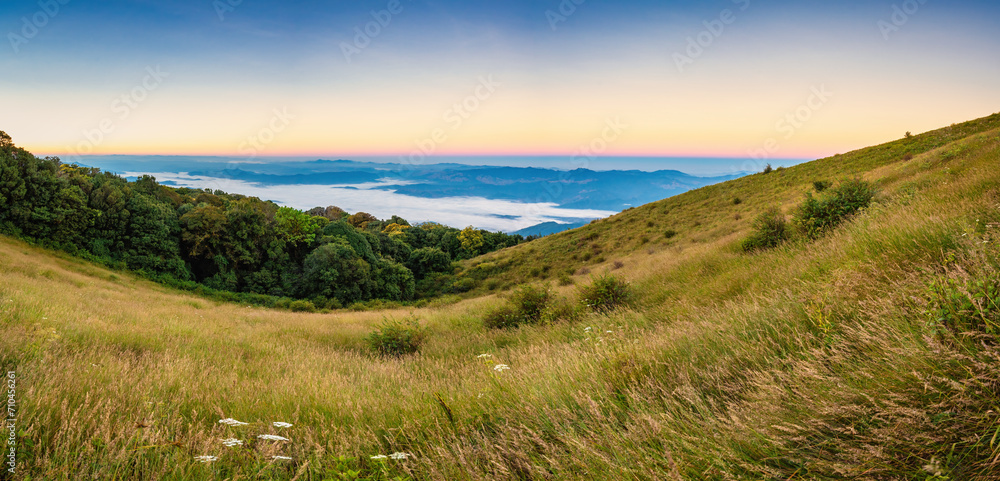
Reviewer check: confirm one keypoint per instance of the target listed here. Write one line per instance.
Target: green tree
(472, 240)
(295, 227)
(427, 260)
(335, 270)
(152, 237)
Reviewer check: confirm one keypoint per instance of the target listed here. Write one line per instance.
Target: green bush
(769, 231)
(464, 284)
(607, 293)
(526, 305)
(530, 302)
(963, 307)
(302, 306)
(503, 317)
(669, 234)
(394, 338)
(821, 185)
(817, 215)
(562, 310)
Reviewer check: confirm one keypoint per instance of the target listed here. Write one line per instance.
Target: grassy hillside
(870, 353)
(710, 215)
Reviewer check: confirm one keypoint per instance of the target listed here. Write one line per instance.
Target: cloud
(503, 215)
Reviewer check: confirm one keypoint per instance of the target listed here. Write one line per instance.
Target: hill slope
(870, 353)
(709, 215)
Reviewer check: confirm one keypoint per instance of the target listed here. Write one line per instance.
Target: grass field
(825, 359)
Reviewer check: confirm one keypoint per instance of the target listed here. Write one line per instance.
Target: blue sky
(225, 75)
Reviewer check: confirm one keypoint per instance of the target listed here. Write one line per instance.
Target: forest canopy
(229, 242)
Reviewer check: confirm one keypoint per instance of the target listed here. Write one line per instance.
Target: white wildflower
(272, 437)
(485, 356)
(279, 424)
(232, 422)
(399, 456)
(588, 329)
(501, 367)
(281, 458)
(379, 457)
(608, 332)
(206, 459)
(232, 442)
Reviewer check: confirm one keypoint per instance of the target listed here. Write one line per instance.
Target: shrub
(464, 284)
(670, 234)
(737, 201)
(617, 265)
(565, 280)
(817, 215)
(302, 306)
(394, 338)
(821, 185)
(562, 310)
(502, 317)
(526, 305)
(529, 302)
(607, 293)
(769, 231)
(768, 169)
(963, 307)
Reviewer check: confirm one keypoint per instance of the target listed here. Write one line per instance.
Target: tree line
(229, 242)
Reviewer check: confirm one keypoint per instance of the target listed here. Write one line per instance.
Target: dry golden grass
(815, 360)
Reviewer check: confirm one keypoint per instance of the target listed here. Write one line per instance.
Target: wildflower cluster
(394, 456)
(497, 367)
(233, 442)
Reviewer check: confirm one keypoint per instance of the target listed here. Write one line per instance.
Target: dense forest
(214, 241)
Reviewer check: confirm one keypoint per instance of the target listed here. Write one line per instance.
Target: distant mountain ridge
(548, 228)
(601, 192)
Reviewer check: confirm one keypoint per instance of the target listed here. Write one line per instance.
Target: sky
(420, 79)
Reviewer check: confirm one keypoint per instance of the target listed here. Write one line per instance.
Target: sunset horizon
(409, 78)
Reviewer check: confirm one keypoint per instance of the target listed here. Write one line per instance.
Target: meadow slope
(853, 356)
